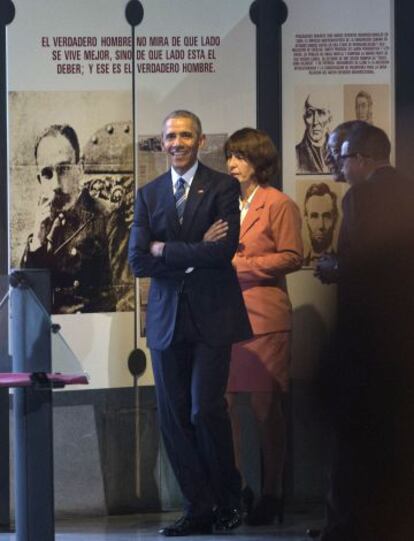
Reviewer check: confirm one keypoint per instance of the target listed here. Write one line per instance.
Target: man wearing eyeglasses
(326, 268)
(334, 144)
(370, 380)
(71, 229)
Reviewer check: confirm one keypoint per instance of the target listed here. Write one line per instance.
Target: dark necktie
(180, 198)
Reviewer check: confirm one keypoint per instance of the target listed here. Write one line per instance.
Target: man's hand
(216, 231)
(157, 248)
(327, 269)
(43, 212)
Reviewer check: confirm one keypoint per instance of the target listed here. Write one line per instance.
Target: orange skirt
(260, 364)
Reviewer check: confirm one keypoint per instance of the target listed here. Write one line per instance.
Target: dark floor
(145, 526)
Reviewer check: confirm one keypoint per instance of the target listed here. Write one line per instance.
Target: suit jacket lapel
(199, 187)
(166, 195)
(253, 214)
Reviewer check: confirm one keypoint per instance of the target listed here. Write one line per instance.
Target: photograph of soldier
(72, 208)
(370, 103)
(311, 151)
(320, 219)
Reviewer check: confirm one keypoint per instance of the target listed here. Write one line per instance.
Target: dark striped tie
(180, 198)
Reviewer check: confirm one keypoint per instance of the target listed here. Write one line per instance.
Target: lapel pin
(200, 191)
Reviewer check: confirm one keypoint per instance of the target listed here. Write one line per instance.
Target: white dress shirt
(245, 207)
(188, 176)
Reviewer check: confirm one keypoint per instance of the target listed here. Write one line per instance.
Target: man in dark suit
(195, 312)
(371, 379)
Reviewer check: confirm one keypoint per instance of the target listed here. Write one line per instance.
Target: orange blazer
(270, 247)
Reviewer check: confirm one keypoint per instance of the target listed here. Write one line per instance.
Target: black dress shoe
(187, 525)
(265, 512)
(313, 533)
(227, 519)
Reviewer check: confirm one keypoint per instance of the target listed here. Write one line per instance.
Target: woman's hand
(216, 231)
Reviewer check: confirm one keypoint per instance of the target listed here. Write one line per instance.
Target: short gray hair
(183, 113)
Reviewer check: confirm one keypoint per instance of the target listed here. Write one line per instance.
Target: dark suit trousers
(191, 379)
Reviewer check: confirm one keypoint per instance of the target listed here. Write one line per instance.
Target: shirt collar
(188, 176)
(381, 166)
(249, 199)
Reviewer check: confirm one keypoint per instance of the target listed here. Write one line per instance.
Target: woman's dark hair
(256, 147)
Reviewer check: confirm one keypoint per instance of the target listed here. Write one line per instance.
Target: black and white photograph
(320, 205)
(72, 195)
(368, 102)
(317, 111)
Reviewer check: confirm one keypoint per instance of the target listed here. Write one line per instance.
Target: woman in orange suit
(270, 247)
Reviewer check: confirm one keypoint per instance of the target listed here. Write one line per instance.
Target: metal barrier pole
(4, 461)
(31, 349)
(5, 366)
(7, 11)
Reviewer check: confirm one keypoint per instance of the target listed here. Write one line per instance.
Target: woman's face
(240, 168)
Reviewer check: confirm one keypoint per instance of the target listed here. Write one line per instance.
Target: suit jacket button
(76, 283)
(73, 251)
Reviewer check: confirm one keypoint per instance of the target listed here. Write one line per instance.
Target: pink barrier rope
(25, 379)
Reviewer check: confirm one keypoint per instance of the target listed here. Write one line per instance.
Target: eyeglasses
(353, 155)
(345, 156)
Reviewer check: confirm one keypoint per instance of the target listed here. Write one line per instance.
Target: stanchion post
(268, 16)
(7, 12)
(31, 350)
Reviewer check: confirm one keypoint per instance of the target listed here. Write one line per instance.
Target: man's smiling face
(181, 141)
